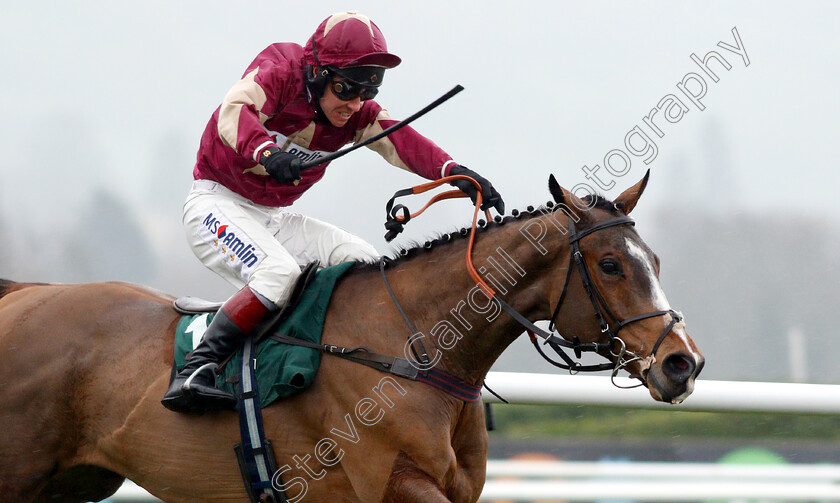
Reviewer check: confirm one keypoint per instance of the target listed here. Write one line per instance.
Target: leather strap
(400, 367)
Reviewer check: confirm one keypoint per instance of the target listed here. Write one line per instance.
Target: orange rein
(453, 194)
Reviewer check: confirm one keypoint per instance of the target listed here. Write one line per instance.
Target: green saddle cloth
(282, 370)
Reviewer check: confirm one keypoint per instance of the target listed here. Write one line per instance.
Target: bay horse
(83, 368)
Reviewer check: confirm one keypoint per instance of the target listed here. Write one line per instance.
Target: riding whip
(335, 155)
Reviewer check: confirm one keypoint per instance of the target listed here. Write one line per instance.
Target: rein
(398, 215)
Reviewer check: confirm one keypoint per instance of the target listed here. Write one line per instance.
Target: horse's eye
(610, 266)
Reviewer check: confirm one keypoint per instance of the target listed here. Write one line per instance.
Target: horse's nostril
(681, 364)
(679, 367)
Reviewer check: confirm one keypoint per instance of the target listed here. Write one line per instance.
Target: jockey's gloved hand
(282, 166)
(490, 196)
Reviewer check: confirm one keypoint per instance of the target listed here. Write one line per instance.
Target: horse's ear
(563, 196)
(555, 189)
(628, 199)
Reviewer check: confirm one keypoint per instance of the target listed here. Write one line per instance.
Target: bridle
(614, 345)
(398, 215)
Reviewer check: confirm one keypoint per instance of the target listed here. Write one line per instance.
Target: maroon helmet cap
(349, 39)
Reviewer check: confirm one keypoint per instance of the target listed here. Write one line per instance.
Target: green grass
(601, 422)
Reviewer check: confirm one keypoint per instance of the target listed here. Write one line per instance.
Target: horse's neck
(455, 316)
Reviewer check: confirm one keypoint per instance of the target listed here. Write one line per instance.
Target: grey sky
(92, 89)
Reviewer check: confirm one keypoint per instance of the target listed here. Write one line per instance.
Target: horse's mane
(6, 286)
(415, 248)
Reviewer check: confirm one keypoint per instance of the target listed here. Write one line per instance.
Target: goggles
(346, 90)
(358, 81)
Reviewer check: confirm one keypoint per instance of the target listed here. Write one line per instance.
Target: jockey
(293, 104)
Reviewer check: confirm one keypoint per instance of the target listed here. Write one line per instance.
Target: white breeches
(262, 246)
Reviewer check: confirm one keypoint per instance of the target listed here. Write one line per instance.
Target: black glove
(282, 166)
(490, 197)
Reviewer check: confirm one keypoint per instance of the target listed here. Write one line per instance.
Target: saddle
(284, 369)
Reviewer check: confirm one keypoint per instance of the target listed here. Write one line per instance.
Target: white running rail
(720, 396)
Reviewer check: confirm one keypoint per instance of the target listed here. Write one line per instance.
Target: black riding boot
(194, 390)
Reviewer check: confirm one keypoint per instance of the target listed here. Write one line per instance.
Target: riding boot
(194, 389)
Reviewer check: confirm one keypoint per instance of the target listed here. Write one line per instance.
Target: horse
(83, 368)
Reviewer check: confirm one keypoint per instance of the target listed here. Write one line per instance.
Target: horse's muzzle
(672, 380)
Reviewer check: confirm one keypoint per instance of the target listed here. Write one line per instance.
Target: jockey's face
(338, 111)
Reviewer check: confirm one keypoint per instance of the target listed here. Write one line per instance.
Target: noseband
(614, 345)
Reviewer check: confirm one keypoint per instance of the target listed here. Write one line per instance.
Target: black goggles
(357, 81)
(346, 90)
